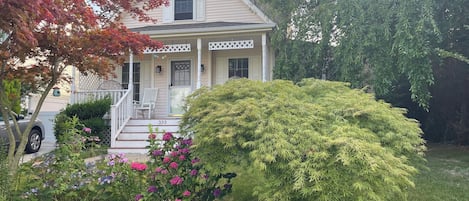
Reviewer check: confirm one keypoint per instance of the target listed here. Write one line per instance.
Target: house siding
(215, 11)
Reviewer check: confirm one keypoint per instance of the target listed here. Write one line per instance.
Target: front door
(180, 86)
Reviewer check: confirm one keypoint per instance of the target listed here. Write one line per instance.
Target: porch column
(131, 72)
(264, 57)
(73, 89)
(199, 61)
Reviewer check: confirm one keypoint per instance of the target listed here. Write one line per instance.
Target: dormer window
(183, 9)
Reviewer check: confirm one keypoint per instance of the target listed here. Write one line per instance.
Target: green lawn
(448, 176)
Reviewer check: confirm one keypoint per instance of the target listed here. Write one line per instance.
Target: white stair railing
(121, 112)
(91, 95)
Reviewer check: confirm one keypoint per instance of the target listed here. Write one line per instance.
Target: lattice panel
(89, 82)
(230, 45)
(171, 48)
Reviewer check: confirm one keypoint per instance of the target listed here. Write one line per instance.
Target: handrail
(85, 96)
(121, 112)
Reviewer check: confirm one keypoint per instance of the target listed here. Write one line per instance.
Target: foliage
(54, 34)
(176, 174)
(362, 42)
(90, 114)
(13, 92)
(318, 140)
(88, 110)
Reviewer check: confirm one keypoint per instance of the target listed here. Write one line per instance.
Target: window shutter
(168, 12)
(200, 10)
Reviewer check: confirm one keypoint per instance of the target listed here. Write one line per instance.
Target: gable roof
(258, 11)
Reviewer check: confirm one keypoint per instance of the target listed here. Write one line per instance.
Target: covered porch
(194, 56)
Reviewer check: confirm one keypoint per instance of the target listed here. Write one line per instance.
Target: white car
(35, 138)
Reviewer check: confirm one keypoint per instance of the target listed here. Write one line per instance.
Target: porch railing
(86, 96)
(121, 112)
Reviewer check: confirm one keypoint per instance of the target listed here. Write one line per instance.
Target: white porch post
(199, 62)
(131, 71)
(264, 57)
(73, 89)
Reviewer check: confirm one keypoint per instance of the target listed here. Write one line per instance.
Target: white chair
(148, 102)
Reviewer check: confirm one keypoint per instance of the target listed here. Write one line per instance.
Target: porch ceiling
(208, 28)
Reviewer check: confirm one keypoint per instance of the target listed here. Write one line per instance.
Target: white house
(207, 42)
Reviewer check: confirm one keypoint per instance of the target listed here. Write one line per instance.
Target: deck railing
(121, 107)
(86, 96)
(121, 112)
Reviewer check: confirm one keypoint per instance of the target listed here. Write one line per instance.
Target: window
(183, 9)
(136, 78)
(238, 68)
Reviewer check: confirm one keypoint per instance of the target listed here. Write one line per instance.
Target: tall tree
(59, 33)
(367, 43)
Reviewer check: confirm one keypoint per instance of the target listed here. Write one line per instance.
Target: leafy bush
(317, 140)
(88, 110)
(90, 114)
(176, 173)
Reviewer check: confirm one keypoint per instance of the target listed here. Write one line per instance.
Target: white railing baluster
(121, 108)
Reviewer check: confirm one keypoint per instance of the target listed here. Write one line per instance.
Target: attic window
(183, 9)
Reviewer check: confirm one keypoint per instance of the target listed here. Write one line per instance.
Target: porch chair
(148, 102)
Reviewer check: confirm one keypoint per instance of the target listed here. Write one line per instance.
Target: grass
(447, 178)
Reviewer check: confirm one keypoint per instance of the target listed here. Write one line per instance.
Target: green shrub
(88, 110)
(317, 140)
(89, 114)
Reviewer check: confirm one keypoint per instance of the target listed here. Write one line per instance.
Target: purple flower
(157, 152)
(185, 150)
(152, 189)
(174, 153)
(195, 160)
(187, 142)
(194, 172)
(217, 192)
(173, 165)
(167, 136)
(138, 197)
(110, 163)
(176, 181)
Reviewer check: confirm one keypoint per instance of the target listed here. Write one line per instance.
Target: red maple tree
(85, 34)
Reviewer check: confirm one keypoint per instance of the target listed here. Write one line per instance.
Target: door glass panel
(180, 85)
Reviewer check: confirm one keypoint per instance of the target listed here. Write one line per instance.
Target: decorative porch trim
(171, 48)
(229, 45)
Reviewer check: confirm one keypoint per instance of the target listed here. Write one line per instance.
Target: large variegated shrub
(317, 140)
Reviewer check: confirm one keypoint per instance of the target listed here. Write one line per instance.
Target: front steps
(134, 136)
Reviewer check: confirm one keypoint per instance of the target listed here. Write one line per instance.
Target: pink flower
(158, 169)
(164, 171)
(87, 130)
(174, 153)
(166, 160)
(173, 165)
(194, 172)
(167, 136)
(138, 166)
(187, 142)
(182, 157)
(185, 150)
(186, 193)
(177, 199)
(176, 180)
(152, 136)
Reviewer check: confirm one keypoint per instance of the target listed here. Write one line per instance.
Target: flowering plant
(175, 174)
